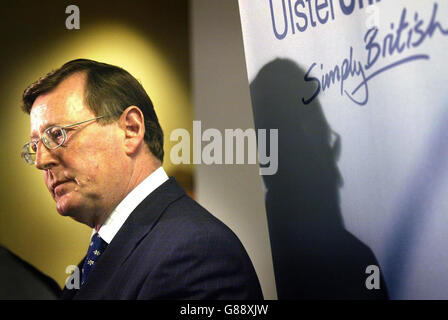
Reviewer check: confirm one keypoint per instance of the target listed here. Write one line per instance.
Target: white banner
(357, 90)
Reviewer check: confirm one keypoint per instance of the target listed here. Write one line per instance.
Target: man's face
(84, 174)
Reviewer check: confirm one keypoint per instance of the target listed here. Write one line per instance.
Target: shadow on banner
(314, 256)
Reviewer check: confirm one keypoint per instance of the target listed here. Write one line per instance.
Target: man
(96, 137)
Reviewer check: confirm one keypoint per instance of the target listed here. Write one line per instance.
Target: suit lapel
(139, 223)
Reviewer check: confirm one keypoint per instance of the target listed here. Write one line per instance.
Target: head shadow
(314, 256)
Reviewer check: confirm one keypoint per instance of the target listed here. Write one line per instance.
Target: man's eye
(33, 147)
(55, 134)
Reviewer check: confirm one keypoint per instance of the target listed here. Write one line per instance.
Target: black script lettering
(307, 78)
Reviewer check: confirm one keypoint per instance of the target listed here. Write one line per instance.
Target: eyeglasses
(53, 137)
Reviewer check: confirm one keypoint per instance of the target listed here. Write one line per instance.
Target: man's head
(101, 160)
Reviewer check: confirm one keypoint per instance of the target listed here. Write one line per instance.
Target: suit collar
(120, 214)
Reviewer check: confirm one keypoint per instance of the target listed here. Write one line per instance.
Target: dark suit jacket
(20, 280)
(171, 248)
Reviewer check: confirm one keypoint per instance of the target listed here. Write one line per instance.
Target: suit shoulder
(198, 257)
(186, 224)
(189, 215)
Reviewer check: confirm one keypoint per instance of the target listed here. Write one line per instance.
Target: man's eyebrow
(48, 125)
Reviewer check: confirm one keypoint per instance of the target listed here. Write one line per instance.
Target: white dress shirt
(117, 218)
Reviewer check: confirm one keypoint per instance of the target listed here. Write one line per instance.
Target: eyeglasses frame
(26, 154)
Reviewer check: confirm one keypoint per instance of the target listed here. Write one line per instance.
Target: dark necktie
(96, 249)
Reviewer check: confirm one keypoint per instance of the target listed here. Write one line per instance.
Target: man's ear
(132, 122)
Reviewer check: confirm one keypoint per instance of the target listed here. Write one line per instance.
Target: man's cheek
(47, 183)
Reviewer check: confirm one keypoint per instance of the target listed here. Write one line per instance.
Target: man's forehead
(63, 104)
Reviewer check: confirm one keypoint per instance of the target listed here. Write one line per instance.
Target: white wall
(221, 100)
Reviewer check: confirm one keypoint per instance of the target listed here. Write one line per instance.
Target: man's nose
(45, 159)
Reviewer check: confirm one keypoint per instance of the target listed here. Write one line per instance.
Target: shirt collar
(117, 218)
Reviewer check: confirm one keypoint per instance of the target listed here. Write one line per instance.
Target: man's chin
(66, 207)
(64, 211)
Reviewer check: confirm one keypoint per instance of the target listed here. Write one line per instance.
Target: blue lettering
(292, 19)
(419, 31)
(278, 35)
(301, 15)
(330, 78)
(318, 8)
(376, 48)
(372, 46)
(313, 23)
(347, 10)
(346, 69)
(433, 25)
(332, 9)
(361, 3)
(388, 38)
(403, 25)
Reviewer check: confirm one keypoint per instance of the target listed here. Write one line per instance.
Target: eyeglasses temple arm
(77, 123)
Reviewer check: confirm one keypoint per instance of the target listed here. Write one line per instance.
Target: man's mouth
(57, 188)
